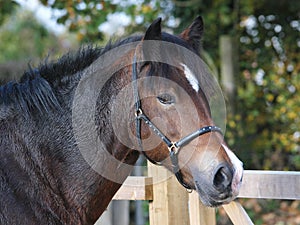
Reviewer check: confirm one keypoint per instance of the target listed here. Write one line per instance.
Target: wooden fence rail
(171, 204)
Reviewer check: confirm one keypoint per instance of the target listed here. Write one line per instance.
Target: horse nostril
(223, 178)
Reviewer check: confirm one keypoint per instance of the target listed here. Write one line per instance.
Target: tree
(23, 40)
(85, 17)
(267, 89)
(23, 37)
(6, 9)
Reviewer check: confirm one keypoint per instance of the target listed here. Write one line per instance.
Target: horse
(50, 173)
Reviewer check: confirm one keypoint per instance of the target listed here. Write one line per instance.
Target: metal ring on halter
(138, 112)
(173, 148)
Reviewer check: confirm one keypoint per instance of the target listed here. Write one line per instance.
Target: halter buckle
(138, 113)
(173, 148)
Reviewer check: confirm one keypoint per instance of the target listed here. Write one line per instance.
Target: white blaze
(238, 166)
(191, 77)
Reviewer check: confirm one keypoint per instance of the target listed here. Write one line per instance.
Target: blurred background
(251, 46)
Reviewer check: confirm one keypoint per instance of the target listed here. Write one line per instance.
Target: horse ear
(154, 31)
(193, 33)
(151, 50)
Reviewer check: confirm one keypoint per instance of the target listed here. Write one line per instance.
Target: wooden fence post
(229, 68)
(237, 214)
(170, 200)
(200, 214)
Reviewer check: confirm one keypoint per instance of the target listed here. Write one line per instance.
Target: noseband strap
(173, 147)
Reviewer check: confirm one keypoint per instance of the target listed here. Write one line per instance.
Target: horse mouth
(212, 197)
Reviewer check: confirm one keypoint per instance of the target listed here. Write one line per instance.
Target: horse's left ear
(193, 33)
(154, 30)
(151, 50)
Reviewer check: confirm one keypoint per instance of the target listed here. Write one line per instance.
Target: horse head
(174, 125)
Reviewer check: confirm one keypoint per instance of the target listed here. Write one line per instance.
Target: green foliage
(267, 121)
(22, 37)
(23, 40)
(220, 17)
(6, 9)
(85, 17)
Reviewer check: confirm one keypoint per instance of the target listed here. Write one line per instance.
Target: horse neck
(90, 186)
(79, 192)
(45, 150)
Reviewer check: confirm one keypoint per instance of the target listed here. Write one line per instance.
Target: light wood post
(170, 199)
(200, 214)
(229, 68)
(237, 214)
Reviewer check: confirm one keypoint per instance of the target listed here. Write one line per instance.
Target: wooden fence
(171, 204)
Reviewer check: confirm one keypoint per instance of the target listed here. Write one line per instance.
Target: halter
(173, 147)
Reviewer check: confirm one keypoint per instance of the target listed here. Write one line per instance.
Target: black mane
(72, 63)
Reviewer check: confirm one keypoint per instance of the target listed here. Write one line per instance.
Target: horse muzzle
(222, 188)
(220, 184)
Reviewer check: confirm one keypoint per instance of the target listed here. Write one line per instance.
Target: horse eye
(165, 99)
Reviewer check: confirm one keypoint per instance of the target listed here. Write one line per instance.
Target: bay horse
(49, 174)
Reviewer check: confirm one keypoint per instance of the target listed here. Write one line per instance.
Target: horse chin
(210, 197)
